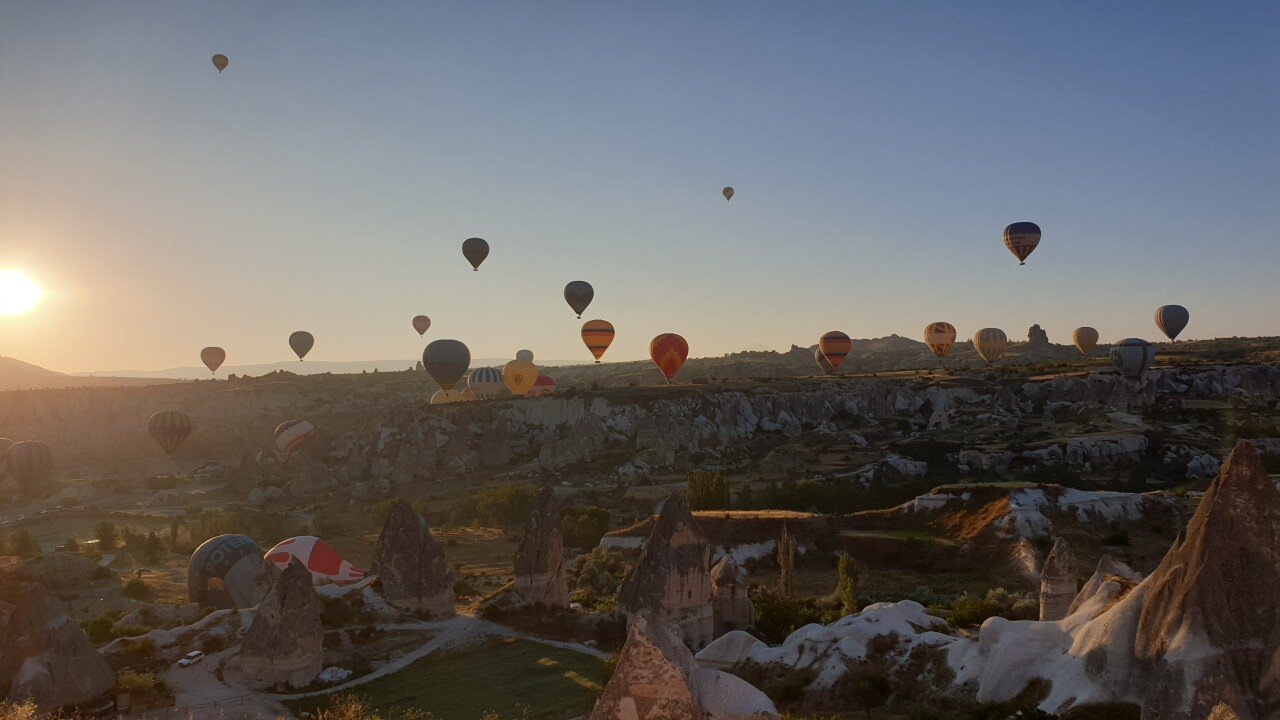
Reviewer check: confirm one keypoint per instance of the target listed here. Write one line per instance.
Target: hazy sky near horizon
(327, 179)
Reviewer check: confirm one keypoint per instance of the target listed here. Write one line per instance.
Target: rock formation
(1110, 580)
(1058, 581)
(1223, 712)
(284, 644)
(45, 656)
(540, 576)
(1037, 338)
(410, 565)
(672, 578)
(730, 605)
(656, 679)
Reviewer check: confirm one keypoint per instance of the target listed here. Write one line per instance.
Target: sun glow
(19, 294)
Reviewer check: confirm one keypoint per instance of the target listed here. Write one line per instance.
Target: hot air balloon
(668, 351)
(169, 428)
(468, 394)
(302, 342)
(1132, 357)
(579, 294)
(1021, 238)
(728, 193)
(524, 355)
(544, 386)
(443, 397)
(598, 335)
(446, 361)
(293, 434)
(1085, 339)
(325, 564)
(421, 323)
(485, 382)
(1171, 319)
(990, 344)
(30, 462)
(222, 570)
(835, 346)
(475, 250)
(520, 376)
(213, 357)
(821, 359)
(940, 336)
(220, 62)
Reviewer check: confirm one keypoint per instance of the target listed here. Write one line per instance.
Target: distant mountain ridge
(308, 367)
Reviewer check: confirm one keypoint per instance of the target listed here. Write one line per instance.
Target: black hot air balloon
(302, 342)
(579, 294)
(475, 250)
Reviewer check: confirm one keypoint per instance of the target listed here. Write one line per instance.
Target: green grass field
(498, 675)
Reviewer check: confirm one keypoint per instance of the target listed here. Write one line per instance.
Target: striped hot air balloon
(990, 344)
(821, 359)
(325, 564)
(835, 346)
(1021, 238)
(668, 351)
(30, 462)
(444, 397)
(544, 386)
(1085, 339)
(213, 357)
(468, 394)
(1172, 319)
(221, 572)
(940, 336)
(1132, 357)
(485, 382)
(169, 428)
(597, 335)
(293, 434)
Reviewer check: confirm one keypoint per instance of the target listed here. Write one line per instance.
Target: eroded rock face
(284, 644)
(540, 575)
(730, 604)
(1110, 581)
(45, 656)
(1037, 337)
(656, 679)
(411, 566)
(672, 578)
(1057, 581)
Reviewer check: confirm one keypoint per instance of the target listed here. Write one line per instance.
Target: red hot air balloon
(213, 357)
(597, 335)
(668, 351)
(421, 323)
(835, 345)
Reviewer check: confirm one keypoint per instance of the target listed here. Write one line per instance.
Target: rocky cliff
(284, 644)
(45, 657)
(410, 565)
(539, 569)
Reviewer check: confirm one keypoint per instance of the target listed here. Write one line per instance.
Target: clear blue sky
(326, 180)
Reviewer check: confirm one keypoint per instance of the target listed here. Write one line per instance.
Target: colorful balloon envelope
(221, 572)
(324, 563)
(1085, 339)
(544, 386)
(728, 193)
(597, 335)
(293, 434)
(821, 359)
(835, 347)
(468, 394)
(30, 462)
(668, 351)
(446, 361)
(1132, 357)
(524, 355)
(940, 336)
(475, 250)
(169, 428)
(1171, 319)
(220, 62)
(444, 397)
(213, 357)
(579, 294)
(990, 344)
(1021, 238)
(302, 342)
(421, 323)
(520, 376)
(485, 383)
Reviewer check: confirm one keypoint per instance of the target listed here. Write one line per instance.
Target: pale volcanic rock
(284, 644)
(672, 578)
(45, 656)
(539, 569)
(1110, 580)
(1057, 581)
(656, 679)
(730, 605)
(411, 566)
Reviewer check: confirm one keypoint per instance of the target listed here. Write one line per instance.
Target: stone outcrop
(672, 578)
(45, 656)
(284, 644)
(1037, 337)
(1058, 581)
(1110, 581)
(411, 566)
(730, 604)
(539, 571)
(656, 679)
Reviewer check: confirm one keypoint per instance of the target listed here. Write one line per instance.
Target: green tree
(154, 548)
(137, 589)
(870, 692)
(847, 585)
(583, 527)
(707, 490)
(107, 536)
(507, 506)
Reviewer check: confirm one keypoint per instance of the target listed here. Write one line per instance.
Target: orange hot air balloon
(213, 357)
(598, 335)
(668, 352)
(940, 336)
(835, 345)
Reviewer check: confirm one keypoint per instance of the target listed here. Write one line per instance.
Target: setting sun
(19, 294)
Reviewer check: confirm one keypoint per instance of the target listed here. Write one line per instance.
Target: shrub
(18, 711)
(847, 585)
(778, 615)
(137, 589)
(136, 683)
(99, 629)
(107, 536)
(583, 527)
(707, 491)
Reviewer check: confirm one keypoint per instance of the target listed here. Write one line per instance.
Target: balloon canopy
(1172, 319)
(421, 323)
(835, 347)
(1021, 238)
(169, 428)
(30, 462)
(728, 193)
(221, 572)
(220, 62)
(1085, 339)
(444, 397)
(213, 357)
(293, 434)
(1132, 357)
(597, 335)
(325, 564)
(486, 383)
(544, 386)
(302, 341)
(821, 359)
(579, 294)
(668, 351)
(446, 361)
(990, 344)
(524, 355)
(520, 376)
(940, 336)
(475, 250)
